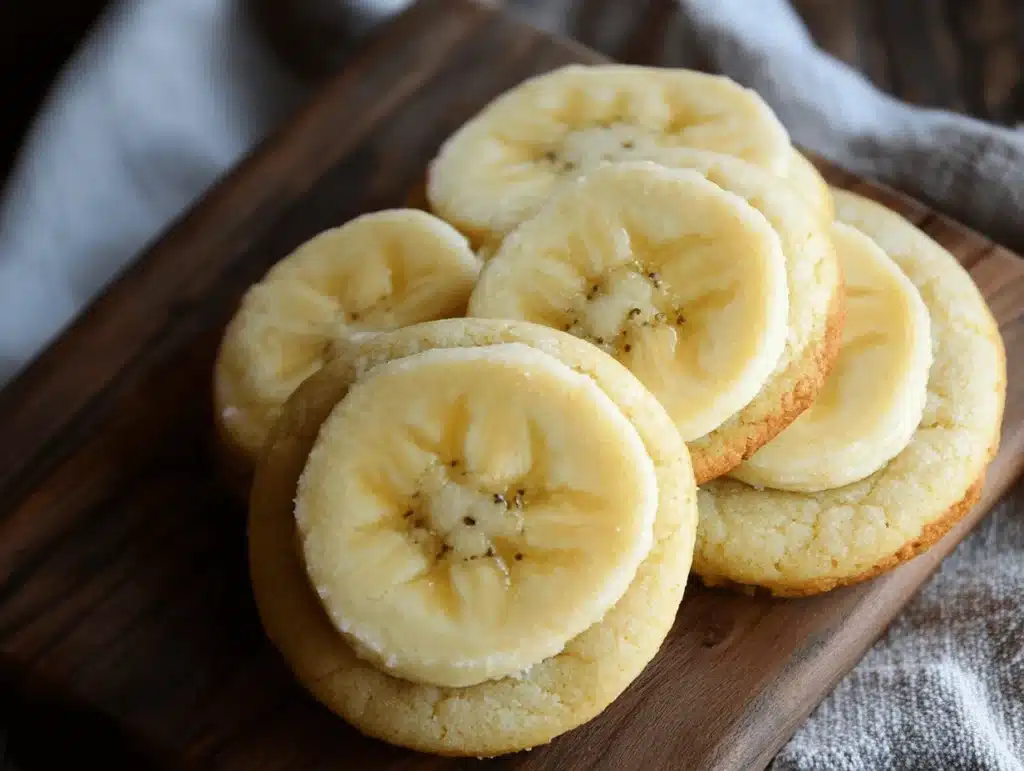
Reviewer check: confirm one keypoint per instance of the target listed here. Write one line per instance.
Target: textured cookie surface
(499, 716)
(802, 543)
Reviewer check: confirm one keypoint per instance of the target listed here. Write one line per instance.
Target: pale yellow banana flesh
(681, 281)
(805, 178)
(874, 398)
(802, 179)
(377, 272)
(466, 512)
(500, 167)
(814, 283)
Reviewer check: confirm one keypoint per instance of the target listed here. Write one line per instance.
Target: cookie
(804, 543)
(496, 716)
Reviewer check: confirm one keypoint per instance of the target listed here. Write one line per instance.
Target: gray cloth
(169, 93)
(163, 97)
(944, 689)
(964, 167)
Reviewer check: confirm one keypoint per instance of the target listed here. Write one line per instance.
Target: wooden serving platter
(125, 598)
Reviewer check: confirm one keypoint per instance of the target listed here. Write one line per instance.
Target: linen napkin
(167, 94)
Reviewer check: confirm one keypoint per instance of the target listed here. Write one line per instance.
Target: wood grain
(125, 589)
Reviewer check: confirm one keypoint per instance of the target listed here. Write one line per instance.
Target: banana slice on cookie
(502, 165)
(377, 272)
(874, 398)
(466, 512)
(815, 307)
(678, 279)
(552, 441)
(797, 543)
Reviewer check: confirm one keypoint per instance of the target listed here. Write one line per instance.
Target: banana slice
(465, 513)
(378, 272)
(501, 166)
(874, 398)
(813, 188)
(815, 310)
(679, 280)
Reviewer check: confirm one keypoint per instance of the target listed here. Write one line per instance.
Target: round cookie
(498, 716)
(805, 543)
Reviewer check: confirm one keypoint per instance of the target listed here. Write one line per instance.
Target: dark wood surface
(125, 594)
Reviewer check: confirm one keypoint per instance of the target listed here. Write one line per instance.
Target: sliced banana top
(466, 512)
(814, 281)
(680, 280)
(874, 398)
(378, 272)
(503, 164)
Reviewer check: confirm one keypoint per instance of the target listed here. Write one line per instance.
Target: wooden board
(125, 595)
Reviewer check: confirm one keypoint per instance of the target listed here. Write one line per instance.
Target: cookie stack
(473, 439)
